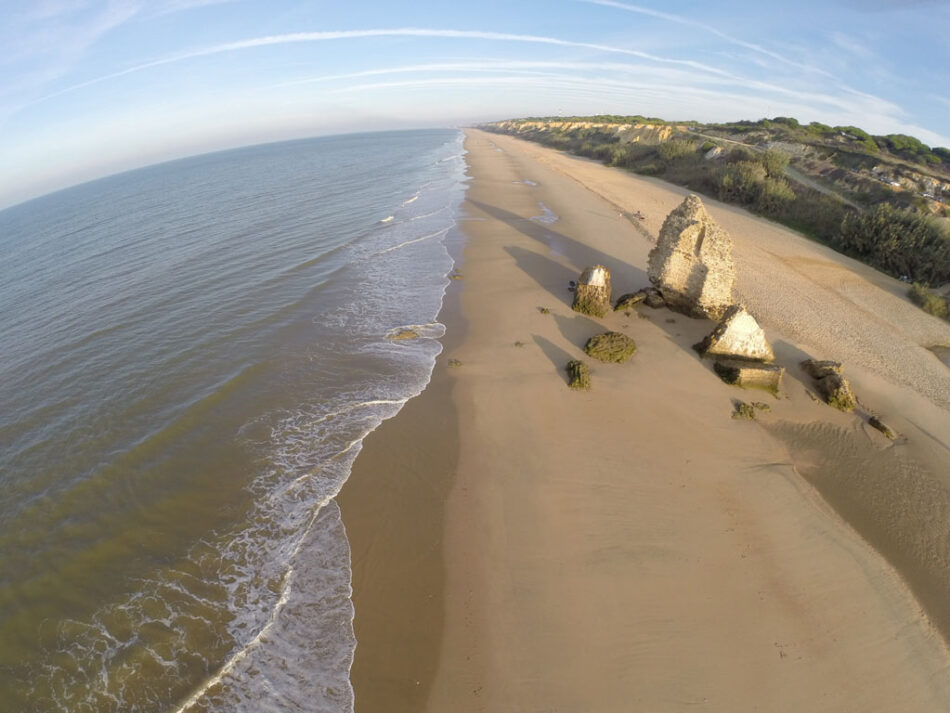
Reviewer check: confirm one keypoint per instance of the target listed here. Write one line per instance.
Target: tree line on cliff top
(894, 239)
(786, 128)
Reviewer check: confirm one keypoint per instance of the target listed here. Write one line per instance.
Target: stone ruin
(738, 335)
(743, 354)
(592, 292)
(692, 263)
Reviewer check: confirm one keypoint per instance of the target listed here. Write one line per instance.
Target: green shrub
(774, 163)
(774, 195)
(707, 146)
(616, 154)
(817, 214)
(933, 304)
(898, 242)
(741, 182)
(739, 154)
(675, 149)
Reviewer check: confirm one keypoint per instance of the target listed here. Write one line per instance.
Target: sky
(93, 87)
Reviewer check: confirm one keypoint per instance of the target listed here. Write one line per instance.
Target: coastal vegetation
(929, 301)
(879, 199)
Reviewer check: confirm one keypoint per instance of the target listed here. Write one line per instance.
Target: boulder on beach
(578, 374)
(654, 299)
(630, 300)
(692, 264)
(649, 296)
(738, 336)
(750, 374)
(592, 293)
(831, 385)
(610, 347)
(818, 369)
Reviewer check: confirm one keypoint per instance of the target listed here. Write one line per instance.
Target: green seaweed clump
(837, 392)
(578, 375)
(610, 347)
(761, 406)
(454, 363)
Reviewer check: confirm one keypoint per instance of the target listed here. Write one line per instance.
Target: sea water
(190, 357)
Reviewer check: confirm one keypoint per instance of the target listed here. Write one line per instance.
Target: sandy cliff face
(628, 133)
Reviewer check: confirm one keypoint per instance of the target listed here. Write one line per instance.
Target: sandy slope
(634, 548)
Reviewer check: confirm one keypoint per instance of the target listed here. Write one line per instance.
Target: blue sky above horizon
(92, 87)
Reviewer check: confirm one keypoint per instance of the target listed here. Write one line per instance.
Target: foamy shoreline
(634, 546)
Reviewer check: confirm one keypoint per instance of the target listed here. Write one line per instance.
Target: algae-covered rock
(818, 369)
(578, 374)
(630, 300)
(836, 391)
(654, 299)
(831, 385)
(749, 374)
(738, 336)
(592, 293)
(610, 347)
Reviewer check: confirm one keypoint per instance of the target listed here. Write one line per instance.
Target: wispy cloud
(671, 78)
(689, 22)
(301, 37)
(852, 45)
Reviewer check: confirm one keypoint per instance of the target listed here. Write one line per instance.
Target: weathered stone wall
(692, 263)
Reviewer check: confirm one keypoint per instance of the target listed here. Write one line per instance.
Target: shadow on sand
(577, 252)
(557, 356)
(550, 275)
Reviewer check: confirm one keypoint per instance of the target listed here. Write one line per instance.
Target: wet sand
(519, 546)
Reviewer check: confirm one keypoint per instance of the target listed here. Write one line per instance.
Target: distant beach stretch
(519, 545)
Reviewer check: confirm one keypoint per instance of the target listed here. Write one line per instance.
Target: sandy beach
(518, 546)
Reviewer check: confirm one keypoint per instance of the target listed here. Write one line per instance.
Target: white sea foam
(388, 219)
(429, 215)
(413, 241)
(265, 604)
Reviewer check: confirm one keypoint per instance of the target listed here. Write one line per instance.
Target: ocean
(190, 357)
